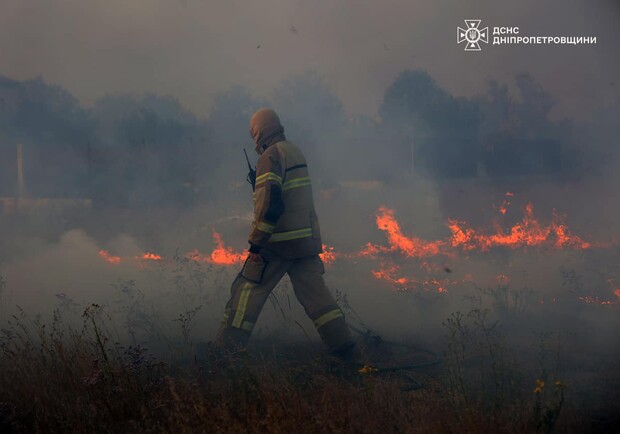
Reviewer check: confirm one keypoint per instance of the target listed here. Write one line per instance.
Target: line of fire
(404, 262)
(428, 257)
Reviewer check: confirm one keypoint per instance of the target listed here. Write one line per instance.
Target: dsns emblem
(472, 34)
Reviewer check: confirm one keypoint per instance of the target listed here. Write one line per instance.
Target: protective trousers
(255, 282)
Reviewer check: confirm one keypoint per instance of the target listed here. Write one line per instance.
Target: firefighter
(285, 238)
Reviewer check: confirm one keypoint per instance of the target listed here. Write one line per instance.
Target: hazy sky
(193, 49)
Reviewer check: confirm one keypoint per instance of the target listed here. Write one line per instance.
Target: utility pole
(20, 172)
(411, 152)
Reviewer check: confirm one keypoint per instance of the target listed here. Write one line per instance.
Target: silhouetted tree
(442, 128)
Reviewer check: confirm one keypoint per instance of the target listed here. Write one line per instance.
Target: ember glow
(371, 251)
(503, 208)
(328, 256)
(502, 279)
(109, 258)
(388, 273)
(391, 273)
(151, 257)
(594, 300)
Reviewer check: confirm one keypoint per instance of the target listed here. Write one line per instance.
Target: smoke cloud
(138, 113)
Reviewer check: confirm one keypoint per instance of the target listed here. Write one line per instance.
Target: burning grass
(410, 263)
(521, 354)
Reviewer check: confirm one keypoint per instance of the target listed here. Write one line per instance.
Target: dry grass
(57, 379)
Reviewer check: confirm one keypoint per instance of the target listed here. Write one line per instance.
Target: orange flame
(503, 208)
(109, 258)
(502, 279)
(371, 251)
(328, 256)
(151, 257)
(388, 274)
(412, 247)
(223, 255)
(528, 232)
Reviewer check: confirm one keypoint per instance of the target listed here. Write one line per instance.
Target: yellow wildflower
(540, 384)
(367, 369)
(559, 384)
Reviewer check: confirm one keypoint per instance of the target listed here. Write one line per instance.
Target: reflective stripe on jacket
(284, 217)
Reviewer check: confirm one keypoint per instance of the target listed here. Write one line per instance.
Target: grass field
(60, 378)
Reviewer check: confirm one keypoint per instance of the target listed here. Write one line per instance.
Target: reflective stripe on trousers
(329, 316)
(306, 274)
(238, 320)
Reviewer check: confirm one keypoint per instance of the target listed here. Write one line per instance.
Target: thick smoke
(161, 179)
(131, 139)
(405, 119)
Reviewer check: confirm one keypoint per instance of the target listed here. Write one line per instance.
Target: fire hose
(373, 343)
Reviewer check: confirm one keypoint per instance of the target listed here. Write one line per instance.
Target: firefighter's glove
(254, 253)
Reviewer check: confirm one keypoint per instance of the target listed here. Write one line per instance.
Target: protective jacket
(285, 221)
(286, 235)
